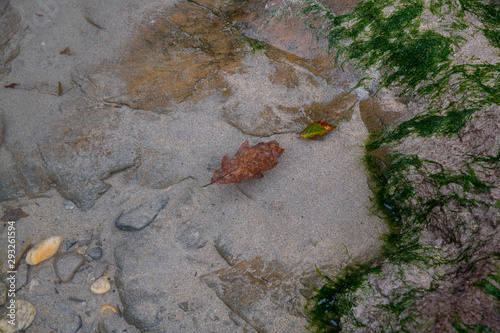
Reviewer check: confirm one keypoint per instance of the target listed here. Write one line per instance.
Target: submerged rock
(379, 112)
(178, 56)
(98, 269)
(112, 322)
(141, 216)
(192, 237)
(194, 51)
(223, 246)
(66, 321)
(252, 288)
(84, 150)
(43, 250)
(10, 26)
(22, 173)
(70, 243)
(267, 115)
(151, 290)
(66, 265)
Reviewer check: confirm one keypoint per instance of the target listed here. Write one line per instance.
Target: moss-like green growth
(426, 125)
(472, 85)
(418, 60)
(463, 328)
(335, 299)
(493, 36)
(490, 285)
(399, 305)
(393, 37)
(488, 14)
(390, 42)
(401, 245)
(467, 180)
(469, 87)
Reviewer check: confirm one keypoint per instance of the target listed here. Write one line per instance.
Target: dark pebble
(70, 243)
(95, 253)
(184, 306)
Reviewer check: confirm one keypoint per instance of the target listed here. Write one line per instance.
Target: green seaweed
(335, 299)
(393, 44)
(490, 287)
(460, 327)
(401, 245)
(475, 86)
(467, 180)
(418, 60)
(388, 36)
(495, 160)
(493, 36)
(489, 15)
(426, 125)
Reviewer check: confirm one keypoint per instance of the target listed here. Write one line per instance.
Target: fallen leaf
(12, 85)
(318, 128)
(247, 163)
(13, 215)
(67, 51)
(59, 90)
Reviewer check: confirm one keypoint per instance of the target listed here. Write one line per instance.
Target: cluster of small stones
(66, 264)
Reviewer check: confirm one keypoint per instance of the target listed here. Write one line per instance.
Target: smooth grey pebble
(95, 253)
(66, 264)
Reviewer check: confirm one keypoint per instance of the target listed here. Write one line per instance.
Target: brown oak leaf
(13, 215)
(248, 163)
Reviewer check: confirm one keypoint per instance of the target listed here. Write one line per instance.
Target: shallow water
(154, 116)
